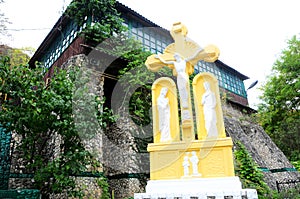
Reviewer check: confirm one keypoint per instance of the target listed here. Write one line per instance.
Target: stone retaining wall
(265, 153)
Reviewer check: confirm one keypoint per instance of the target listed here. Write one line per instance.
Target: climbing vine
(99, 17)
(140, 79)
(103, 184)
(104, 26)
(248, 172)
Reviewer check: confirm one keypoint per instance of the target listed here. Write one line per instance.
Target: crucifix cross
(181, 56)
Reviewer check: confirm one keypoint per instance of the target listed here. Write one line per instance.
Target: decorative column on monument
(180, 164)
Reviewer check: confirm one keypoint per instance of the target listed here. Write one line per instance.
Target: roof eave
(230, 69)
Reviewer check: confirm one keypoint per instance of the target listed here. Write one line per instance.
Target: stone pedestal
(185, 186)
(214, 159)
(215, 177)
(216, 194)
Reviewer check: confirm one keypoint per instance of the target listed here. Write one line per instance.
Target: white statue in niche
(194, 160)
(186, 165)
(164, 115)
(209, 108)
(182, 76)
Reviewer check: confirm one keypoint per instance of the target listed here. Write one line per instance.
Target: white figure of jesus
(209, 109)
(164, 115)
(194, 160)
(182, 76)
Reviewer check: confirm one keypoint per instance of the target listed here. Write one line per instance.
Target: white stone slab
(192, 185)
(236, 194)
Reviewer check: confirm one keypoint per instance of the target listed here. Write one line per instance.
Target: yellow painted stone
(215, 159)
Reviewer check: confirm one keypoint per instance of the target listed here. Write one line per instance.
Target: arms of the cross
(187, 49)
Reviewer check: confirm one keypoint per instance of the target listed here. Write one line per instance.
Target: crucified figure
(182, 76)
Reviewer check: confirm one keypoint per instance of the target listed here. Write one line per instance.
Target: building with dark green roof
(63, 42)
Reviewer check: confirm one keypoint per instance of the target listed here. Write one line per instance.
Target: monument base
(234, 194)
(197, 187)
(214, 156)
(193, 184)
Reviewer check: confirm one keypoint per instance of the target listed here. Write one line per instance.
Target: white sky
(249, 33)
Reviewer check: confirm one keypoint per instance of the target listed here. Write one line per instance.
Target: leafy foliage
(18, 56)
(139, 78)
(104, 188)
(136, 80)
(289, 193)
(248, 172)
(279, 111)
(65, 110)
(296, 165)
(39, 113)
(100, 16)
(136, 76)
(104, 22)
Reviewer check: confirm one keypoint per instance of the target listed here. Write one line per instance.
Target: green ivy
(248, 171)
(251, 177)
(103, 184)
(296, 165)
(293, 193)
(100, 16)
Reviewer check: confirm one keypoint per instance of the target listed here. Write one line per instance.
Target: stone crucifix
(181, 56)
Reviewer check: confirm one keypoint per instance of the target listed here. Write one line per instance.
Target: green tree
(64, 110)
(18, 56)
(64, 113)
(279, 110)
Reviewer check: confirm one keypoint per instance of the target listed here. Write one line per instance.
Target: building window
(63, 41)
(151, 40)
(226, 79)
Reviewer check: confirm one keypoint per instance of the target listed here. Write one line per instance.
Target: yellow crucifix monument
(180, 161)
(181, 56)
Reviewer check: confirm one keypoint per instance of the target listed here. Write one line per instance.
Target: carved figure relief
(194, 160)
(186, 165)
(209, 104)
(164, 115)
